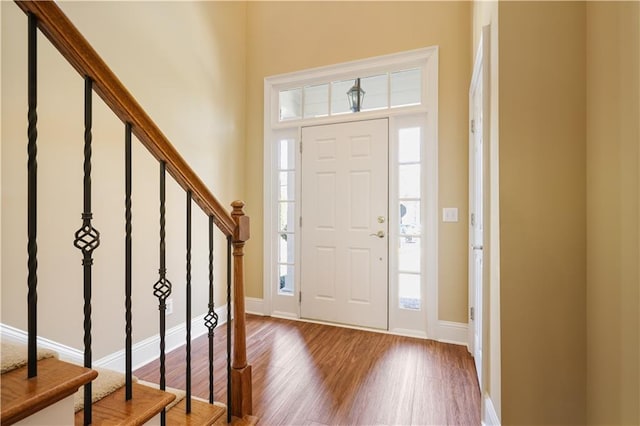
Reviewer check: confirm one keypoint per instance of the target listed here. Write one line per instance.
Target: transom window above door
(380, 91)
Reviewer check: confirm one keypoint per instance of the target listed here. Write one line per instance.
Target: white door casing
(344, 232)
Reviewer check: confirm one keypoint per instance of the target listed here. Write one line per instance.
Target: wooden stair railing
(63, 35)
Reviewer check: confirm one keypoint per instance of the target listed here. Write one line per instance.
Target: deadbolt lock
(381, 219)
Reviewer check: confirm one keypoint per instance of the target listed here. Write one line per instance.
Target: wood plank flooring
(310, 374)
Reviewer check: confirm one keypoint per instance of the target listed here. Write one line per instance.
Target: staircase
(37, 388)
(55, 396)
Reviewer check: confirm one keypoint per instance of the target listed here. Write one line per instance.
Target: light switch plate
(450, 214)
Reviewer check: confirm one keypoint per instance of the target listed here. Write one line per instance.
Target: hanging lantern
(355, 96)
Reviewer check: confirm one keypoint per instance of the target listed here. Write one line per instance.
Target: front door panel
(344, 205)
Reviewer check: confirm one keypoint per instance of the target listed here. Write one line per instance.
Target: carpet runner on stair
(14, 355)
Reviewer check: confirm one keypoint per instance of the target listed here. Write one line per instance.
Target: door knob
(379, 234)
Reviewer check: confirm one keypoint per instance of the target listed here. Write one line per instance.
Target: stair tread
(202, 413)
(115, 410)
(56, 380)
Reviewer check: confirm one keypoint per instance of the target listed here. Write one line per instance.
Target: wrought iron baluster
(128, 263)
(188, 296)
(211, 319)
(229, 329)
(32, 198)
(87, 239)
(162, 287)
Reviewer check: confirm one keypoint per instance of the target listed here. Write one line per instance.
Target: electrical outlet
(169, 306)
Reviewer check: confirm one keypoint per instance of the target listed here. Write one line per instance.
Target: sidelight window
(286, 216)
(409, 214)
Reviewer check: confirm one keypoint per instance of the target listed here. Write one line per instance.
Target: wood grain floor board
(318, 375)
(430, 407)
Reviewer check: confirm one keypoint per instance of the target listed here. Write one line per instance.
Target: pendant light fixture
(355, 96)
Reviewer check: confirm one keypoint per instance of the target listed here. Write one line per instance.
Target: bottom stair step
(114, 410)
(56, 380)
(202, 413)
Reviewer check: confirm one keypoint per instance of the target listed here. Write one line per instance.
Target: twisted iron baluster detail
(32, 199)
(162, 287)
(211, 319)
(87, 239)
(128, 263)
(229, 408)
(188, 296)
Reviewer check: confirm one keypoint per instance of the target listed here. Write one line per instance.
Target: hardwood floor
(310, 374)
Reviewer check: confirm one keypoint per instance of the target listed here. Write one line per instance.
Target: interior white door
(477, 240)
(344, 256)
(478, 113)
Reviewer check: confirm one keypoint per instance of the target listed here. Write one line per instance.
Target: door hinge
(473, 219)
(300, 297)
(301, 146)
(300, 221)
(472, 313)
(473, 126)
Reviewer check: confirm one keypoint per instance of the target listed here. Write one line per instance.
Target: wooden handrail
(55, 25)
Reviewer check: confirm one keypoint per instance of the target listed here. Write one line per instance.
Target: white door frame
(480, 79)
(426, 113)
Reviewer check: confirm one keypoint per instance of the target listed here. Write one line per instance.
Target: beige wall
(486, 13)
(542, 212)
(185, 63)
(570, 295)
(291, 36)
(613, 135)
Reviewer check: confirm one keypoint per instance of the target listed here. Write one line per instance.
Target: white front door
(344, 206)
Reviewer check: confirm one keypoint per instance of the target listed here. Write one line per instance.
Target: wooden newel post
(241, 399)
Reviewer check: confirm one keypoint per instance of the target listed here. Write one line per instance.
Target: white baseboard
(143, 353)
(452, 332)
(284, 315)
(446, 331)
(253, 305)
(408, 333)
(148, 349)
(491, 417)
